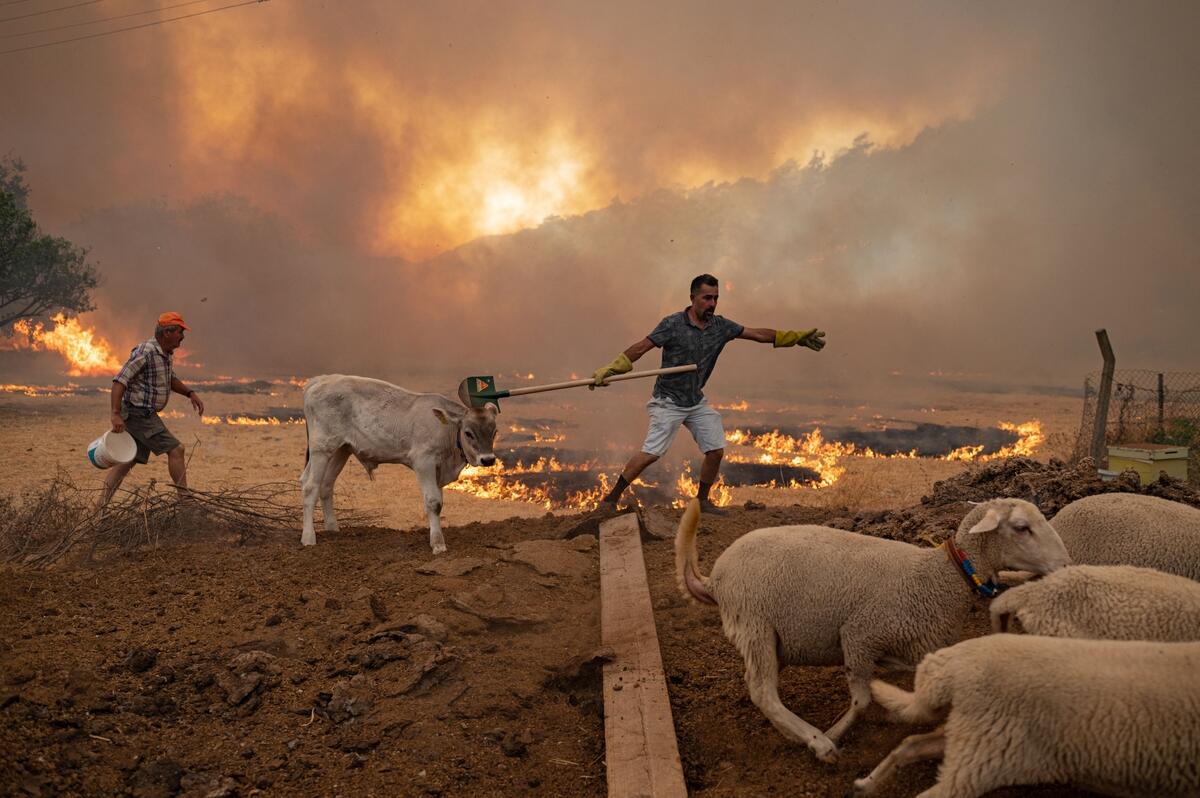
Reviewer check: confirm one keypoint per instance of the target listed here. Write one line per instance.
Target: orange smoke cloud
(449, 132)
(87, 354)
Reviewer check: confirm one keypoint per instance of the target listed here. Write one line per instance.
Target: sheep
(1109, 602)
(812, 595)
(1131, 529)
(1118, 717)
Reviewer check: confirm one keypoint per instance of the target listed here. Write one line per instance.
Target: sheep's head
(1014, 535)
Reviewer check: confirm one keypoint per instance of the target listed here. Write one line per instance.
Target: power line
(51, 10)
(102, 19)
(13, 2)
(132, 27)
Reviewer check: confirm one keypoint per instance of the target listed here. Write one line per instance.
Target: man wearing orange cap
(140, 391)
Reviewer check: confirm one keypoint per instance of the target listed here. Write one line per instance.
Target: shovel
(479, 391)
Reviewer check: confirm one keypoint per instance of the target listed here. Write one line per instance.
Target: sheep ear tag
(989, 523)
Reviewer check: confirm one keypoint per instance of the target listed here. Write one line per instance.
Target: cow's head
(476, 432)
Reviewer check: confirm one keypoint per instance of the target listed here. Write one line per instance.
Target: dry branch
(46, 524)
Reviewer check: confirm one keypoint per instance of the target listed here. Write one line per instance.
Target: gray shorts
(148, 431)
(701, 420)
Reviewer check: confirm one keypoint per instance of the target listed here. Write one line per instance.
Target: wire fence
(1146, 407)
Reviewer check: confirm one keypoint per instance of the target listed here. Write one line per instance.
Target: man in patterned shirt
(693, 335)
(140, 391)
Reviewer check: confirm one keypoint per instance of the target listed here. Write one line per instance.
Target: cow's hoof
(308, 540)
(333, 528)
(439, 548)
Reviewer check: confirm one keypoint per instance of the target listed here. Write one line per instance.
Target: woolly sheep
(1131, 529)
(811, 595)
(1109, 602)
(1118, 717)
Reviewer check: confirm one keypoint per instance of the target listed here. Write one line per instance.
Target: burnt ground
(216, 669)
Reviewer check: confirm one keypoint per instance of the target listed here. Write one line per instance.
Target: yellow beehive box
(1148, 459)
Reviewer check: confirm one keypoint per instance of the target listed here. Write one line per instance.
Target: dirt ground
(363, 666)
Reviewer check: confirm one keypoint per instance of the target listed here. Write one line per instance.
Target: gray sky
(362, 187)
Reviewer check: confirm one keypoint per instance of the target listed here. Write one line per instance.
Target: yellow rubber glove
(814, 339)
(620, 365)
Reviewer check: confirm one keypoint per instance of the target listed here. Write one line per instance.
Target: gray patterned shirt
(683, 343)
(146, 377)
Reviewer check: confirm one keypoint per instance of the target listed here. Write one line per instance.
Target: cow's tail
(692, 584)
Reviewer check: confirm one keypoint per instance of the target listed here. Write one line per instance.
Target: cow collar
(988, 589)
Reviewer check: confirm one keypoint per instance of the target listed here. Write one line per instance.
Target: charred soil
(364, 666)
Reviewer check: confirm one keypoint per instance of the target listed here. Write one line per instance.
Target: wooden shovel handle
(633, 375)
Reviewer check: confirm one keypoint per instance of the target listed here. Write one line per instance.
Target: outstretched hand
(815, 341)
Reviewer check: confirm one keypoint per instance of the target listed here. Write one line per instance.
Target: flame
(70, 389)
(537, 435)
(739, 405)
(87, 354)
(495, 482)
(687, 488)
(811, 451)
(248, 421)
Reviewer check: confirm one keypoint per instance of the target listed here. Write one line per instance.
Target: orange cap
(171, 319)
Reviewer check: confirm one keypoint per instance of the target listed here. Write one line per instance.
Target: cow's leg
(310, 489)
(431, 492)
(332, 468)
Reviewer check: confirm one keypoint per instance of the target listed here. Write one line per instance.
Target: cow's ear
(442, 415)
(495, 408)
(989, 523)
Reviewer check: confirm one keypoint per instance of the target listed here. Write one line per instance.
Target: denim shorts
(701, 420)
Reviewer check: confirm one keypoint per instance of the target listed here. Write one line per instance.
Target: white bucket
(112, 448)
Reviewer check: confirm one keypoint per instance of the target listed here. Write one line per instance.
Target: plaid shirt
(146, 377)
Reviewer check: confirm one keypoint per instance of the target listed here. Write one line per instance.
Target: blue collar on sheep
(988, 589)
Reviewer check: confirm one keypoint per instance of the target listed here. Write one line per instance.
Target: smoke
(363, 190)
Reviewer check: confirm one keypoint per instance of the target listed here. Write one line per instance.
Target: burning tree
(38, 273)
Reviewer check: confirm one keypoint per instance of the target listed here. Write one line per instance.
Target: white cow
(378, 422)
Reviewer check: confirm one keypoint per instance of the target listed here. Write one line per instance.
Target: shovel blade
(479, 391)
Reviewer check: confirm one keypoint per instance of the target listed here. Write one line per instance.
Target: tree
(39, 274)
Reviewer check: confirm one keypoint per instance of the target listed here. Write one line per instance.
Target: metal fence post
(1161, 400)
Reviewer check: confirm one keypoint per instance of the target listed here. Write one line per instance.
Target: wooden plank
(639, 735)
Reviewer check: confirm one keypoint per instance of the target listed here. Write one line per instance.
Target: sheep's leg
(860, 698)
(913, 748)
(762, 679)
(972, 765)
